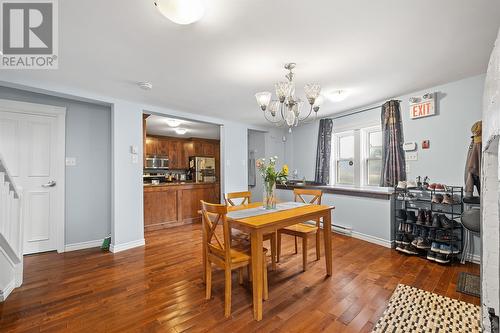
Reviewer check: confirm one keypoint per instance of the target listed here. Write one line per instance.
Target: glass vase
(269, 201)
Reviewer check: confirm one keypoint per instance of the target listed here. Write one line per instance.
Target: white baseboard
(372, 239)
(83, 245)
(126, 246)
(5, 292)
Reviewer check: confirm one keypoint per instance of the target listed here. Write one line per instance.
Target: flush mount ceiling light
(181, 131)
(173, 122)
(285, 111)
(181, 11)
(337, 95)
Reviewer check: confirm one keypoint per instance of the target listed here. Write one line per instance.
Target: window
(357, 157)
(372, 162)
(345, 160)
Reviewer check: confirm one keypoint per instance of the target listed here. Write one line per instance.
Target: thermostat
(409, 146)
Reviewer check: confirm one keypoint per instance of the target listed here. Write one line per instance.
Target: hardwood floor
(159, 288)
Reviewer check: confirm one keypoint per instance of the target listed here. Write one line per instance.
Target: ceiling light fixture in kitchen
(181, 131)
(181, 11)
(173, 122)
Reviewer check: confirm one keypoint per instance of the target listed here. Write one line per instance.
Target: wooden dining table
(258, 225)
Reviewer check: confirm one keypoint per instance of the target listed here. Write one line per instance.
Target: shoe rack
(415, 199)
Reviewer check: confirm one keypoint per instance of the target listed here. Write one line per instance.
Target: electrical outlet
(411, 156)
(407, 168)
(135, 159)
(70, 161)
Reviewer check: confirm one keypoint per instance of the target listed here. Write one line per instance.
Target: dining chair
(303, 230)
(243, 198)
(220, 252)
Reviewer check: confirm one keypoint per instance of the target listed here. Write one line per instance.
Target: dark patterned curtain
(323, 152)
(393, 155)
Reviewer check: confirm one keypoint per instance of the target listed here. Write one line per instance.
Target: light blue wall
(88, 184)
(459, 106)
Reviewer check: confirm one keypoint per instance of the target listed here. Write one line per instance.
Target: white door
(31, 147)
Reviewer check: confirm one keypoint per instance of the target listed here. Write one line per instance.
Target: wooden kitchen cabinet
(176, 204)
(179, 150)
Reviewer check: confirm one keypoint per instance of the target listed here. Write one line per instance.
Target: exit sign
(422, 108)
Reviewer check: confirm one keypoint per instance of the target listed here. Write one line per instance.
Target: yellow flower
(285, 169)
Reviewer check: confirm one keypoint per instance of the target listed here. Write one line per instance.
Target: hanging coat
(473, 163)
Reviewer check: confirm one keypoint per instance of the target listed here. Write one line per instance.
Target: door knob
(51, 183)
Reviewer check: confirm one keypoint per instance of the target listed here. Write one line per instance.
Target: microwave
(156, 162)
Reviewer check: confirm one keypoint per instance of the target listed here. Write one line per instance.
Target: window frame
(336, 159)
(361, 154)
(365, 152)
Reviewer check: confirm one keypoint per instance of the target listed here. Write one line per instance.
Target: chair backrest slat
(316, 195)
(214, 216)
(245, 196)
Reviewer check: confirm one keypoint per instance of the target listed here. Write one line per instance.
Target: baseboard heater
(342, 229)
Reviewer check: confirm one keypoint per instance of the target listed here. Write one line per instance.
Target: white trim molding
(83, 245)
(5, 292)
(372, 239)
(127, 246)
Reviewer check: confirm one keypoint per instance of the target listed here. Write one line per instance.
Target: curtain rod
(360, 111)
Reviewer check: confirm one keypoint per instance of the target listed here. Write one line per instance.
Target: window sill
(356, 191)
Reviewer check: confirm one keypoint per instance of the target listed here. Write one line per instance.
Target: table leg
(327, 235)
(257, 273)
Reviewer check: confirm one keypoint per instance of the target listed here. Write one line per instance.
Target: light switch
(134, 150)
(135, 159)
(70, 161)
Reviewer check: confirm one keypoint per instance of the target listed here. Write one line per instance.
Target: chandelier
(286, 109)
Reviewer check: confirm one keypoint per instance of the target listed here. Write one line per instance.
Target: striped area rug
(415, 310)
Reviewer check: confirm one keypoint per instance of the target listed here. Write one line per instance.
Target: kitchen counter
(172, 204)
(178, 183)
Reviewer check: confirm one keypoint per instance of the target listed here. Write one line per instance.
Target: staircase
(11, 233)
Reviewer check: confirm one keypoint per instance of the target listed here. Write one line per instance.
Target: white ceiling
(375, 49)
(157, 125)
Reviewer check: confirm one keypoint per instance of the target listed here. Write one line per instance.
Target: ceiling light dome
(181, 11)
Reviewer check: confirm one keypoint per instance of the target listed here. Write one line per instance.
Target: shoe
(410, 217)
(409, 228)
(400, 247)
(450, 200)
(410, 196)
(431, 255)
(447, 236)
(410, 249)
(448, 249)
(442, 258)
(436, 221)
(446, 223)
(415, 241)
(421, 217)
(411, 184)
(399, 238)
(401, 214)
(401, 185)
(423, 243)
(405, 240)
(437, 198)
(440, 187)
(435, 247)
(432, 234)
(428, 218)
(416, 232)
(401, 227)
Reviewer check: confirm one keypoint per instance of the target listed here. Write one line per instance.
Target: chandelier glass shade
(286, 109)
